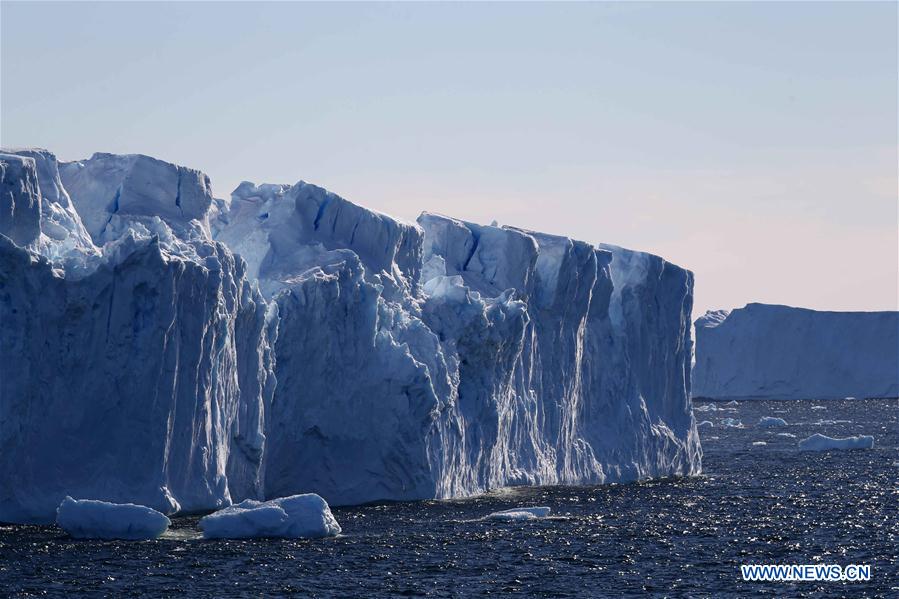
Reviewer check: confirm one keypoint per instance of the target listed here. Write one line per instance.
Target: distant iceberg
(519, 513)
(819, 442)
(779, 352)
(89, 519)
(771, 421)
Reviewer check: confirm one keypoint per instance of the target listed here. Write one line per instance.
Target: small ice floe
(732, 423)
(732, 403)
(829, 422)
(299, 516)
(819, 442)
(92, 519)
(790, 435)
(771, 421)
(519, 513)
(759, 443)
(709, 407)
(705, 423)
(819, 408)
(850, 397)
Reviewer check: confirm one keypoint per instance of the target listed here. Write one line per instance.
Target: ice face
(778, 352)
(287, 341)
(109, 187)
(20, 200)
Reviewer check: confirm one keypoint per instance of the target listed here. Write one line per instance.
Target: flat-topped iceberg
(519, 513)
(301, 516)
(167, 348)
(779, 352)
(91, 519)
(819, 442)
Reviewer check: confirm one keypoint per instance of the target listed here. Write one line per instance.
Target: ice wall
(138, 375)
(778, 352)
(183, 352)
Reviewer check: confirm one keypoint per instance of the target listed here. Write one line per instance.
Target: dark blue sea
(759, 500)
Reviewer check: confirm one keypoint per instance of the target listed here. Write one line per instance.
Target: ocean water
(754, 503)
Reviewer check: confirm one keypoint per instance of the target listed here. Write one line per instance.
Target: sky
(753, 143)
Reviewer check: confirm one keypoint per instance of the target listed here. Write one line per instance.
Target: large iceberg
(778, 352)
(171, 349)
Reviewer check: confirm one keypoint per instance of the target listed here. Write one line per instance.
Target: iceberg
(305, 516)
(779, 352)
(135, 371)
(819, 442)
(90, 519)
(167, 348)
(519, 513)
(771, 421)
(732, 423)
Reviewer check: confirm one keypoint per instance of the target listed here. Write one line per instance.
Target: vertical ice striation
(166, 348)
(138, 375)
(20, 200)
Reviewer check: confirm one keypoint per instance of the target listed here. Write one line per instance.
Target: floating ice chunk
(732, 403)
(829, 422)
(819, 442)
(818, 408)
(91, 519)
(709, 407)
(298, 516)
(771, 421)
(520, 513)
(705, 423)
(789, 435)
(759, 443)
(732, 422)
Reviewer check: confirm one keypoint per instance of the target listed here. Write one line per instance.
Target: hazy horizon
(754, 144)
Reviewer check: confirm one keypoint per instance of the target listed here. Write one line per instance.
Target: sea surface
(759, 500)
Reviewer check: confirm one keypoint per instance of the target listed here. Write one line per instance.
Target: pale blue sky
(755, 144)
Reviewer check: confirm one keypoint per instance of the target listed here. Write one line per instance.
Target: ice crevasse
(162, 347)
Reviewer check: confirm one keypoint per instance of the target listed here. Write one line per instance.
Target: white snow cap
(819, 442)
(299, 516)
(91, 519)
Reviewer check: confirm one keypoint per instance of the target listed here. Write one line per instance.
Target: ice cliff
(778, 352)
(162, 347)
